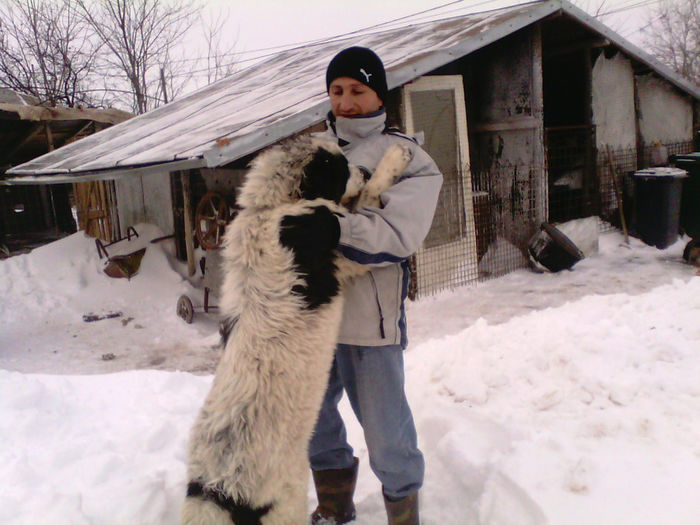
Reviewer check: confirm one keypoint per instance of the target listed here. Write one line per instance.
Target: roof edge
(219, 155)
(62, 177)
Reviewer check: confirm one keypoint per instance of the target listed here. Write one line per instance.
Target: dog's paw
(406, 155)
(396, 158)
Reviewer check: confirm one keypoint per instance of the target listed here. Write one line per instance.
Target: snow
(568, 398)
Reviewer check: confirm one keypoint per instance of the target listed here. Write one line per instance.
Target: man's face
(351, 98)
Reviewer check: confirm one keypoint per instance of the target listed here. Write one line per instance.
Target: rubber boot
(334, 489)
(403, 511)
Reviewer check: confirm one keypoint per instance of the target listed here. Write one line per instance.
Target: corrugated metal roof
(271, 100)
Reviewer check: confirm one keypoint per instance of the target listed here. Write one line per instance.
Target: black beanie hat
(361, 64)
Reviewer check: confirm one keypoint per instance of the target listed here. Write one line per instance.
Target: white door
(434, 109)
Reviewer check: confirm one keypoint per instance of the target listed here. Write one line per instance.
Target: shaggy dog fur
(282, 301)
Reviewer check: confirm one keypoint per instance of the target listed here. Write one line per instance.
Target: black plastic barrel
(690, 200)
(552, 249)
(658, 204)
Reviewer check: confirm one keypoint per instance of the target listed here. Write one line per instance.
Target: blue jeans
(373, 378)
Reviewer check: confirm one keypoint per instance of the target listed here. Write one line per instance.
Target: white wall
(129, 202)
(665, 116)
(613, 102)
(145, 199)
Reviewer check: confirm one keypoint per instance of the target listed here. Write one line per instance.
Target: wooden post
(540, 183)
(44, 191)
(638, 126)
(49, 135)
(618, 195)
(189, 233)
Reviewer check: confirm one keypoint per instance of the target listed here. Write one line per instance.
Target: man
(368, 362)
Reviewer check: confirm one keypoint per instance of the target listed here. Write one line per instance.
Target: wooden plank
(189, 233)
(49, 136)
(511, 124)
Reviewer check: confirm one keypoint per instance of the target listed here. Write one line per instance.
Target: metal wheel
(185, 309)
(211, 218)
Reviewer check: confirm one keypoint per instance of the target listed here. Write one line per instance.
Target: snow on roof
(10, 96)
(271, 100)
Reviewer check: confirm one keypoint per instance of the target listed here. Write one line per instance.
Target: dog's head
(303, 168)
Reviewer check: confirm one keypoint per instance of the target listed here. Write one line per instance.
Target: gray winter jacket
(384, 238)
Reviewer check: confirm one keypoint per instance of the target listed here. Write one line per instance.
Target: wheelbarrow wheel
(185, 309)
(210, 219)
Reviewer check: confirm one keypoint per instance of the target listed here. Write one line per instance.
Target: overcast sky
(262, 24)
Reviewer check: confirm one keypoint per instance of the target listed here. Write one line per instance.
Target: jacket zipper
(379, 306)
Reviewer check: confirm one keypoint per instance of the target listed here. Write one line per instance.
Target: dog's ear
(325, 176)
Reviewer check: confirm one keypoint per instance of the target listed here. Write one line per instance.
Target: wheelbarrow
(211, 218)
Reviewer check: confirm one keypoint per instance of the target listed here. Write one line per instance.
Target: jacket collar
(350, 130)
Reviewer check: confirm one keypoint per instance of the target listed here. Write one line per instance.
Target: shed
(33, 214)
(519, 107)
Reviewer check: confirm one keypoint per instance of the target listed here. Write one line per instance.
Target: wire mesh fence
(490, 223)
(448, 256)
(483, 231)
(572, 184)
(614, 168)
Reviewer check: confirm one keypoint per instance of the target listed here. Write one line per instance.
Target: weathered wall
(224, 181)
(504, 102)
(613, 102)
(145, 199)
(665, 116)
(158, 201)
(129, 202)
(505, 108)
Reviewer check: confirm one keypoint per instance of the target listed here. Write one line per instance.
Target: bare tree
(673, 36)
(46, 52)
(595, 8)
(140, 37)
(218, 56)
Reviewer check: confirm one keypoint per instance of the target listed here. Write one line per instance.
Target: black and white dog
(282, 301)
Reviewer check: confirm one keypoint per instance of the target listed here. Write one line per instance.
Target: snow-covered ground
(569, 398)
